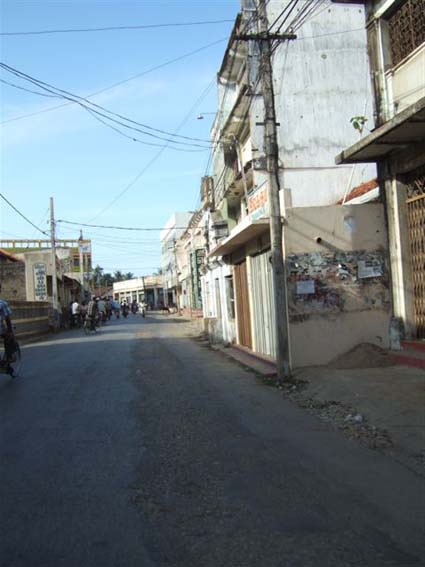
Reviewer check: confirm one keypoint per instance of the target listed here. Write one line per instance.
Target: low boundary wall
(31, 318)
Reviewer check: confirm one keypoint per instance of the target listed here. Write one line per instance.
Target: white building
(172, 231)
(321, 81)
(146, 288)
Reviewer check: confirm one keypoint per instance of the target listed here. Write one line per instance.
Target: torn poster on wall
(323, 284)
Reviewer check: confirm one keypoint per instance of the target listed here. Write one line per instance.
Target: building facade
(146, 288)
(337, 266)
(171, 233)
(396, 38)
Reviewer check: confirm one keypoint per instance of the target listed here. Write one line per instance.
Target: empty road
(139, 447)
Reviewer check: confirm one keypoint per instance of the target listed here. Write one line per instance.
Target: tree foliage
(105, 279)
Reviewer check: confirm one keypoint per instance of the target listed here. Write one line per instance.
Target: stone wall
(12, 278)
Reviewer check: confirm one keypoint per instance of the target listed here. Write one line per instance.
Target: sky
(84, 165)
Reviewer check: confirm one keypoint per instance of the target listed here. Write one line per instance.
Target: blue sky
(84, 165)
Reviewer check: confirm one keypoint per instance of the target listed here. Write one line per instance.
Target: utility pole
(81, 262)
(55, 302)
(271, 149)
(177, 277)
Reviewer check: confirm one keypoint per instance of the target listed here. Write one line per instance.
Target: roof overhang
(240, 235)
(9, 256)
(405, 130)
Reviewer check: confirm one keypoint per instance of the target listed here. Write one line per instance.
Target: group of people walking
(99, 310)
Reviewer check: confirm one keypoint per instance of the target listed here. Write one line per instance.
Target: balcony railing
(406, 29)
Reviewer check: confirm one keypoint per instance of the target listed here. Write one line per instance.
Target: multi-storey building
(335, 256)
(172, 231)
(396, 37)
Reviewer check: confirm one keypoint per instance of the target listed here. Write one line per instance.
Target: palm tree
(119, 276)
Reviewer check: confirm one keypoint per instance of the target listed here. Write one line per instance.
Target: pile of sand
(364, 355)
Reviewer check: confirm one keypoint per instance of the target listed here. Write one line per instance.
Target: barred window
(407, 29)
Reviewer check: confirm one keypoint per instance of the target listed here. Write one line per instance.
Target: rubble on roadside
(353, 424)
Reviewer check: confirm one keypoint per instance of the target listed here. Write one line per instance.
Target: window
(230, 297)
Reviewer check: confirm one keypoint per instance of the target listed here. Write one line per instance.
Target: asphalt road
(140, 447)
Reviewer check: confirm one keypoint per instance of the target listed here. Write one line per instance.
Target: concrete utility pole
(81, 262)
(177, 276)
(55, 302)
(271, 149)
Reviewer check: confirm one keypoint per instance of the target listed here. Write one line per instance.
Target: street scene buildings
(219, 360)
(352, 230)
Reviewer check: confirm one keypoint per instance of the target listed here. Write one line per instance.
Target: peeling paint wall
(321, 80)
(338, 280)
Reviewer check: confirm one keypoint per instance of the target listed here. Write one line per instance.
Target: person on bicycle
(92, 312)
(6, 330)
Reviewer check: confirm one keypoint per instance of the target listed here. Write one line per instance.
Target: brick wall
(12, 278)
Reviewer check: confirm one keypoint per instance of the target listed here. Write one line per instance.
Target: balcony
(406, 81)
(405, 34)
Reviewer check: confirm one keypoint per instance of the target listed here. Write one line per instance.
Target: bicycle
(11, 364)
(91, 325)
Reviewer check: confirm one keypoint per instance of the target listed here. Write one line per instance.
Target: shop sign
(40, 281)
(258, 203)
(85, 248)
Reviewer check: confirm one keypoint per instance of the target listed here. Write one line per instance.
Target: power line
(139, 228)
(158, 154)
(81, 101)
(27, 90)
(115, 28)
(119, 83)
(22, 215)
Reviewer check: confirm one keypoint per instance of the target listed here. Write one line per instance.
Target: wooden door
(242, 305)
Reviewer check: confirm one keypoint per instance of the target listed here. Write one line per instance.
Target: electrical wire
(119, 83)
(81, 101)
(27, 90)
(158, 154)
(114, 28)
(282, 13)
(22, 215)
(112, 227)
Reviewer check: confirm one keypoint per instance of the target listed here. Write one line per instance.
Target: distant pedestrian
(75, 314)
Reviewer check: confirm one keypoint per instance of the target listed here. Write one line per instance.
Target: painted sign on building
(258, 203)
(196, 260)
(40, 282)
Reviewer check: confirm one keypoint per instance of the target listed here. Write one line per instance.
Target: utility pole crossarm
(265, 36)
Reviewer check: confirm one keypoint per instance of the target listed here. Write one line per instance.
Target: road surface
(140, 447)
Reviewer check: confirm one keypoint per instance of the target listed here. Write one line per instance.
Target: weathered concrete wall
(30, 258)
(321, 81)
(30, 318)
(12, 278)
(338, 280)
(219, 324)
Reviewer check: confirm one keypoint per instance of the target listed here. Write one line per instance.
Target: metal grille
(407, 29)
(416, 219)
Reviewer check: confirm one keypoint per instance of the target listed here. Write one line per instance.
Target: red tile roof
(360, 190)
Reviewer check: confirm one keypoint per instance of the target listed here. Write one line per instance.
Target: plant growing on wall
(359, 122)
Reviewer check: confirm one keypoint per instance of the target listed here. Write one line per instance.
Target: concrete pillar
(399, 248)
